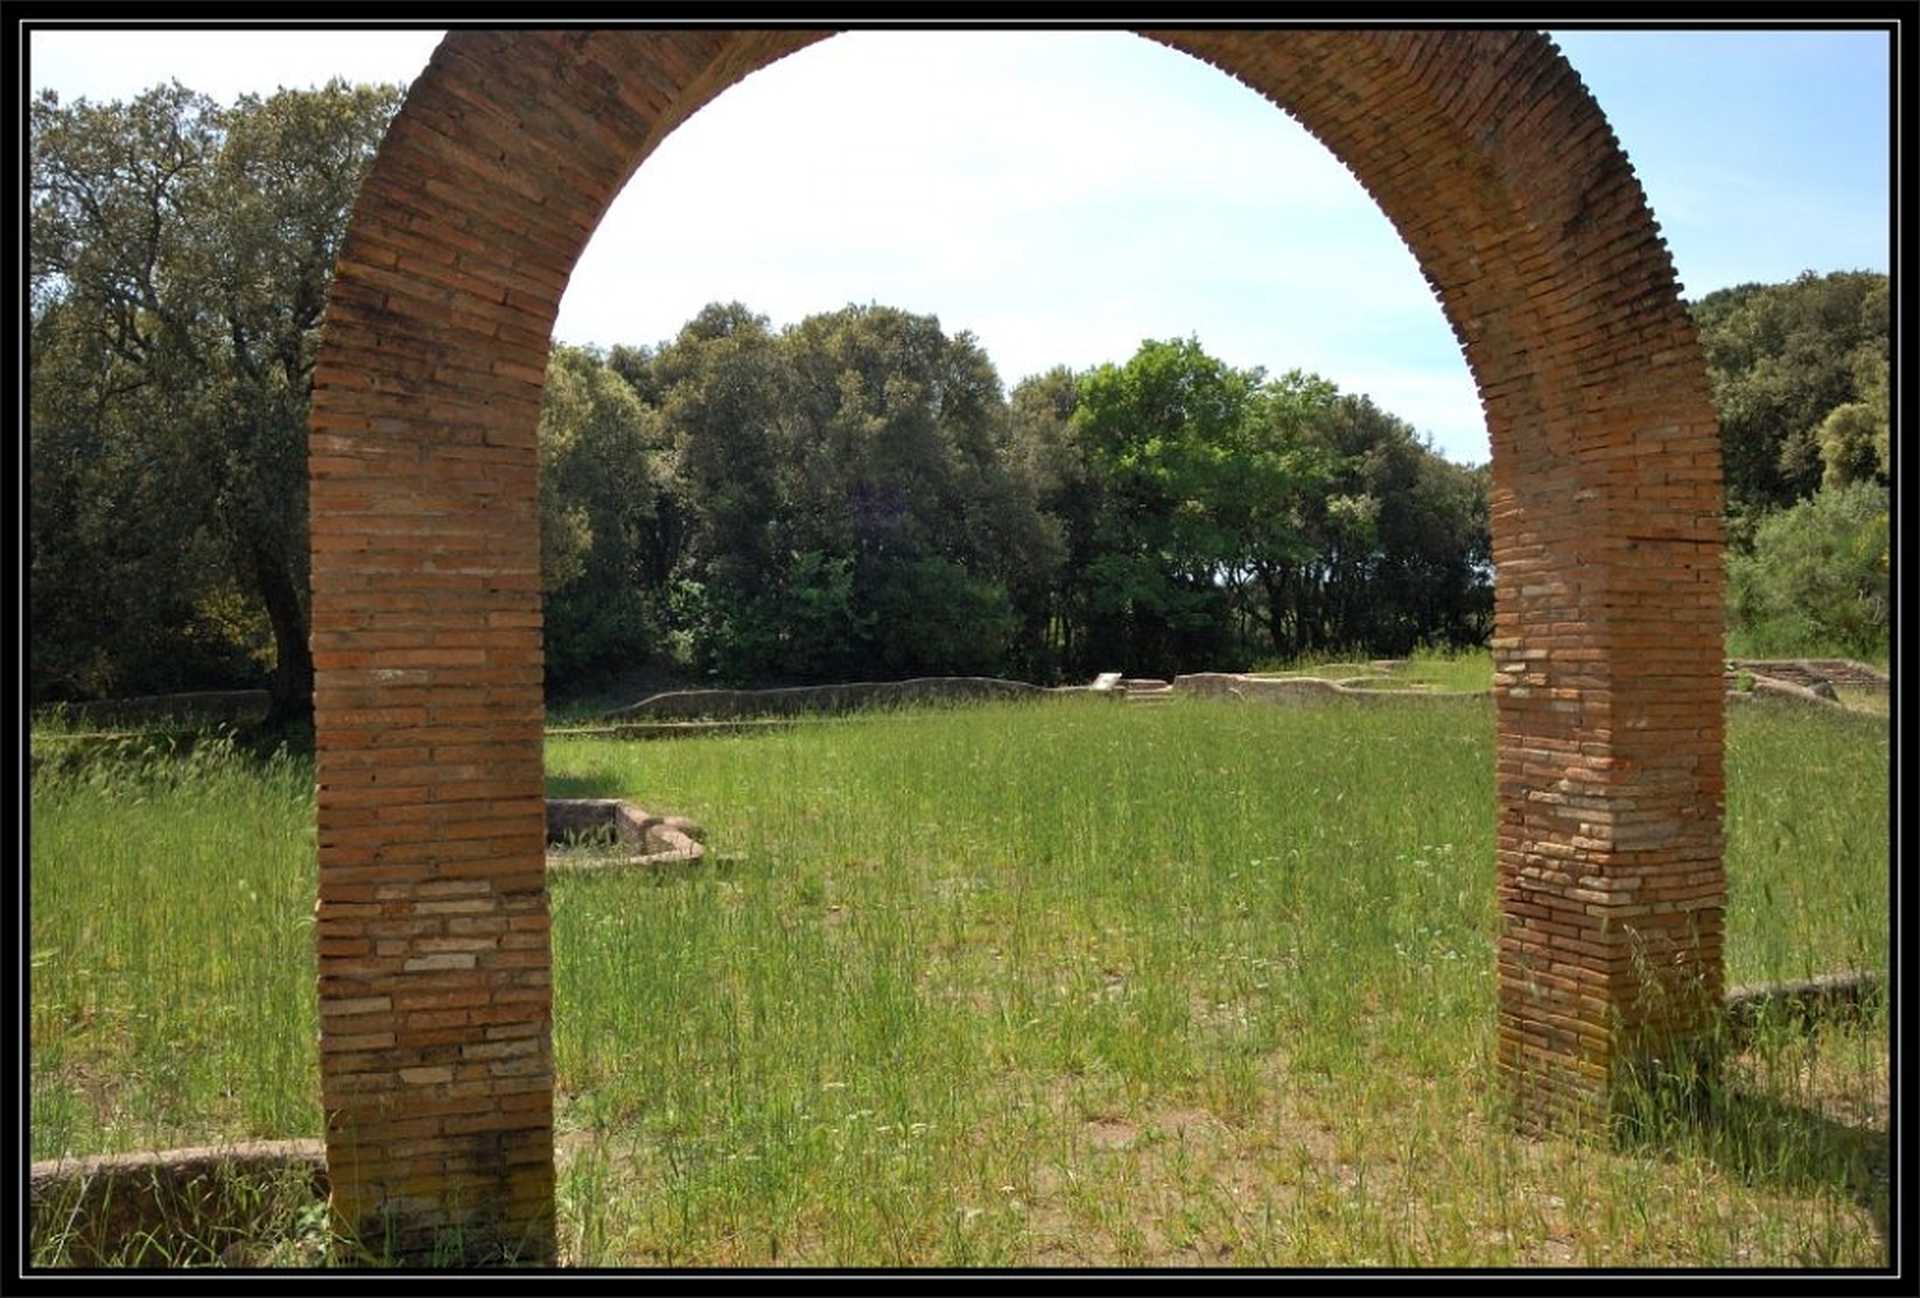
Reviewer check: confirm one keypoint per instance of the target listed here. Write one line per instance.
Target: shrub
(1816, 578)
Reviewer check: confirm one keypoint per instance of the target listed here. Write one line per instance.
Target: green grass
(256, 1218)
(1042, 984)
(1743, 642)
(172, 964)
(1464, 671)
(1331, 670)
(1862, 699)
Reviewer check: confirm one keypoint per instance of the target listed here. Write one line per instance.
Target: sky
(1064, 195)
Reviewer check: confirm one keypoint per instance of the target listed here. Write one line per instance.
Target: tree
(116, 568)
(1044, 456)
(1210, 514)
(850, 508)
(1781, 358)
(1161, 431)
(1280, 480)
(179, 256)
(724, 383)
(612, 526)
(1387, 543)
(1856, 439)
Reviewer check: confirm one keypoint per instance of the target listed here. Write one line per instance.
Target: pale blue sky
(1063, 195)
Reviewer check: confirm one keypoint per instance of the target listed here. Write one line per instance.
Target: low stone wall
(723, 705)
(179, 1198)
(1295, 689)
(631, 836)
(1766, 687)
(1806, 671)
(1828, 997)
(1801, 680)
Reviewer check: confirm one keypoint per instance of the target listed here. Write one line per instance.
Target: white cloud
(102, 63)
(1105, 190)
(1065, 194)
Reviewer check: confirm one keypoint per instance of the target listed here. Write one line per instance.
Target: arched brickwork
(1498, 170)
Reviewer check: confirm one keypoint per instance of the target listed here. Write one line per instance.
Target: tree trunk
(1275, 585)
(291, 691)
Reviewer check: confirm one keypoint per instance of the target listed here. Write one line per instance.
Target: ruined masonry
(1498, 170)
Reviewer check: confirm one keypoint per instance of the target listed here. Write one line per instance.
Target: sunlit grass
(1045, 984)
(1463, 671)
(1862, 699)
(172, 965)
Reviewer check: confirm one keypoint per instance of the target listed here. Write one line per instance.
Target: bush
(1816, 578)
(805, 629)
(934, 619)
(592, 634)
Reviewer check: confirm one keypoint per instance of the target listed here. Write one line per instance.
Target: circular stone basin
(607, 833)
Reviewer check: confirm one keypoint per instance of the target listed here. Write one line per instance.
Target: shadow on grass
(1796, 1149)
(1765, 1141)
(262, 740)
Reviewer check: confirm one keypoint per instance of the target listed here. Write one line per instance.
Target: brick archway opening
(1494, 165)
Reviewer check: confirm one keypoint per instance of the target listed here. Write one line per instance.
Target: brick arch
(1496, 167)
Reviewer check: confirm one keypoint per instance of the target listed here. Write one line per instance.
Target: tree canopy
(1784, 360)
(179, 257)
(1800, 379)
(853, 495)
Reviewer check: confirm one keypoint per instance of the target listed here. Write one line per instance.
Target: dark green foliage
(828, 502)
(1045, 457)
(1817, 578)
(611, 526)
(1782, 358)
(179, 256)
(940, 619)
(1800, 381)
(853, 496)
(1213, 516)
(1394, 545)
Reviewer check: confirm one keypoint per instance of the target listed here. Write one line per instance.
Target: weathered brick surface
(1494, 165)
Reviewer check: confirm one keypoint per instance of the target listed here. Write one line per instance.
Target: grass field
(1861, 699)
(1044, 984)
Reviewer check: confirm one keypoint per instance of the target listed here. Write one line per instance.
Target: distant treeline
(855, 495)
